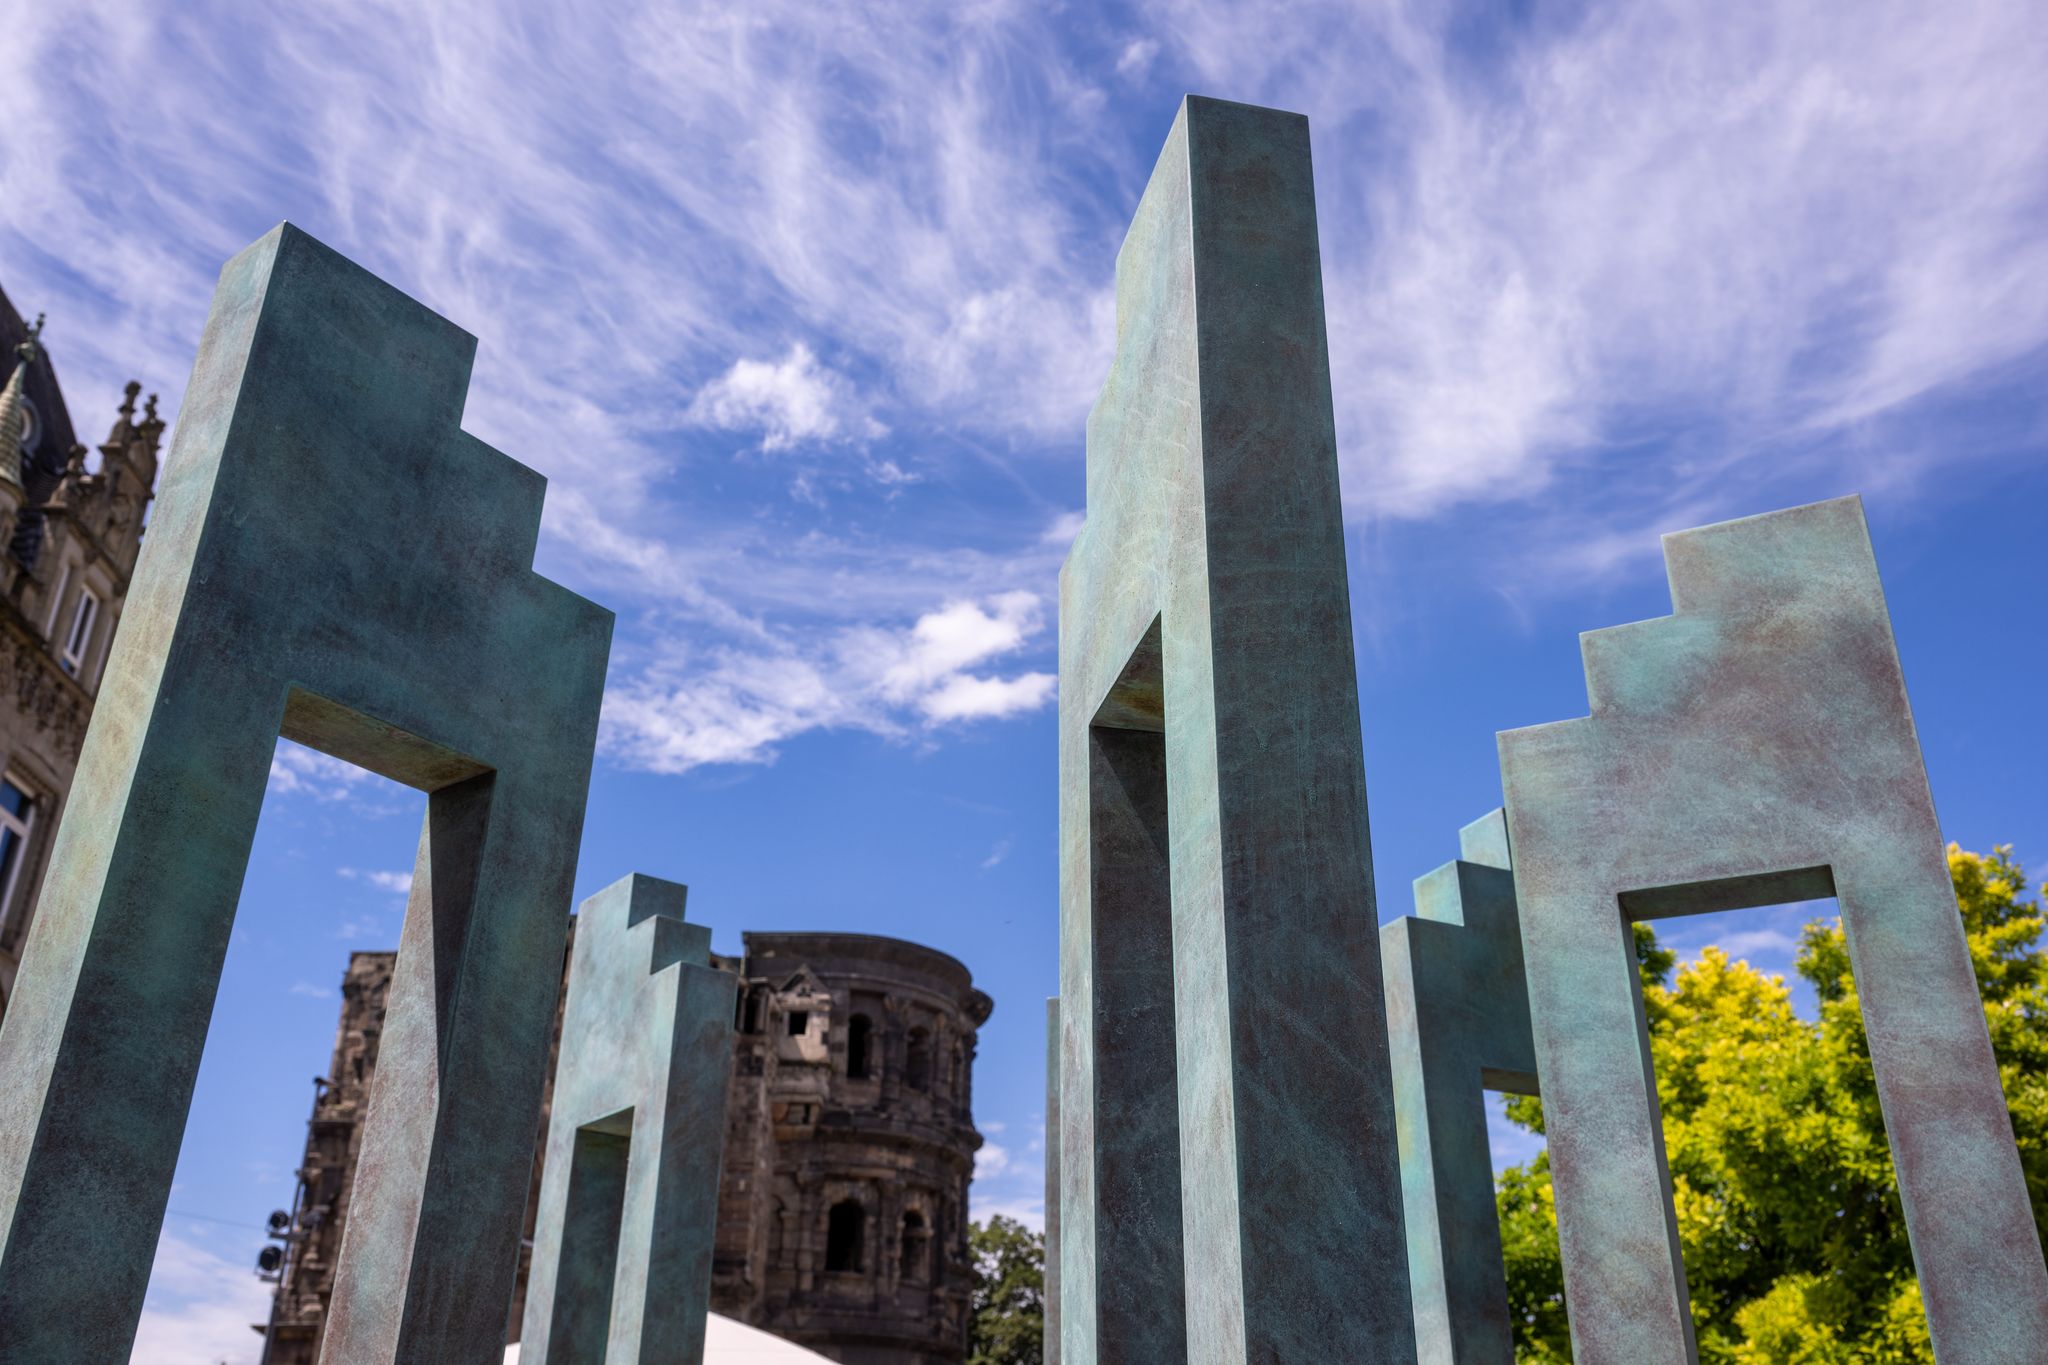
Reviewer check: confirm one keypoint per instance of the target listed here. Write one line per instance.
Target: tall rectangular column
(1206, 680)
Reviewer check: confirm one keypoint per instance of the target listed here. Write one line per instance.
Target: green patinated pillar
(636, 1131)
(1230, 1190)
(332, 559)
(1052, 1181)
(1458, 1020)
(1752, 748)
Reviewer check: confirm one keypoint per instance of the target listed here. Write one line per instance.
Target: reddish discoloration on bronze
(1754, 747)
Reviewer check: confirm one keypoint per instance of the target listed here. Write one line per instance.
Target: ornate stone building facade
(849, 1146)
(68, 541)
(850, 1142)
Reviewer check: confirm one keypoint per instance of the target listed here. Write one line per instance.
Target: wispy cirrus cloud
(201, 1306)
(634, 217)
(297, 769)
(1608, 269)
(1735, 246)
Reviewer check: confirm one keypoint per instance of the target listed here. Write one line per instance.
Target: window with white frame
(17, 819)
(78, 639)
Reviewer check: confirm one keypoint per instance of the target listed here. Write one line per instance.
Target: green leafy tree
(1788, 1215)
(1008, 1300)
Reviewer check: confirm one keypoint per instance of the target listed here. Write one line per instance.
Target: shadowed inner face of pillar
(590, 1241)
(1140, 1293)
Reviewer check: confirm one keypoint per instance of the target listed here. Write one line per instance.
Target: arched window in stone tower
(845, 1229)
(917, 1067)
(915, 1239)
(860, 1032)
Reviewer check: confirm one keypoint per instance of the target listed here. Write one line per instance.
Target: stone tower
(849, 1146)
(68, 541)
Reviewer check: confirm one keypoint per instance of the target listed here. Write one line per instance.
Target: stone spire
(13, 420)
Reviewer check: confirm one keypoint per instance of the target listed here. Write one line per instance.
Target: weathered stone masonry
(849, 1146)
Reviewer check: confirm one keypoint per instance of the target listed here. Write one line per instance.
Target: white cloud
(1759, 943)
(362, 927)
(735, 705)
(948, 640)
(311, 991)
(397, 883)
(1026, 1209)
(1768, 936)
(1006, 1182)
(791, 402)
(1136, 58)
(200, 1308)
(994, 859)
(1063, 528)
(966, 698)
(295, 769)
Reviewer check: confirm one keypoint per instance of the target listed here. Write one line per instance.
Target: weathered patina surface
(1458, 1025)
(629, 1193)
(1230, 1185)
(1756, 747)
(334, 559)
(1052, 1181)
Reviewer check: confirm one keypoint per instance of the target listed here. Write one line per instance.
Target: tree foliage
(1789, 1219)
(1007, 1306)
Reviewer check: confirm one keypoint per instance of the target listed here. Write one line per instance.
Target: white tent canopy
(727, 1342)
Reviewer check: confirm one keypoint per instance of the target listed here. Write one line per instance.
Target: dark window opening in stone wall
(917, 1070)
(799, 1020)
(845, 1229)
(914, 1238)
(859, 1042)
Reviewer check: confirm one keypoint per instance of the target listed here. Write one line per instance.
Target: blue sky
(800, 309)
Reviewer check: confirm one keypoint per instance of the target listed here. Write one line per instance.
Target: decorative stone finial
(28, 350)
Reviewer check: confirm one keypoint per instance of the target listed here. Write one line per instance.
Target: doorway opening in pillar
(333, 770)
(1731, 1028)
(1139, 1295)
(279, 1097)
(591, 1221)
(1752, 1043)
